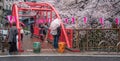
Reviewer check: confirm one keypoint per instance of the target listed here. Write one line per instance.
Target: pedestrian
(55, 30)
(43, 30)
(31, 30)
(56, 34)
(12, 39)
(5, 37)
(21, 32)
(46, 26)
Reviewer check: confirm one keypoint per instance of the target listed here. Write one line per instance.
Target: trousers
(56, 39)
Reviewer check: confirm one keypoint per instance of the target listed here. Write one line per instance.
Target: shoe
(10, 53)
(15, 53)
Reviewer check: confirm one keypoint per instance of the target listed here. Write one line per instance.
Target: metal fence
(106, 40)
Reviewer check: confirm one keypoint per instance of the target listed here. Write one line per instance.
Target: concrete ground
(59, 58)
(46, 48)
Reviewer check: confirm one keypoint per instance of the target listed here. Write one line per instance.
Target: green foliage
(26, 28)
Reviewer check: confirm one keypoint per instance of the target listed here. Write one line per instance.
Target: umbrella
(22, 24)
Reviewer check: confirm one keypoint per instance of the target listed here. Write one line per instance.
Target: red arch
(67, 41)
(48, 7)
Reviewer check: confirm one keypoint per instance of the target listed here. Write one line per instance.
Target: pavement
(59, 58)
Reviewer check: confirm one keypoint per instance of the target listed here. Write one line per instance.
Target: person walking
(12, 39)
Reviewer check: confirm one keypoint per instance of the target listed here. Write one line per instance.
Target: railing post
(87, 38)
(117, 46)
(77, 33)
(118, 34)
(77, 38)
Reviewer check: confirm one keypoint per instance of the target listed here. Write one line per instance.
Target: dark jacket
(58, 31)
(12, 34)
(31, 28)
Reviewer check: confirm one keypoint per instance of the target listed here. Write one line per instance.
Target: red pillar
(47, 16)
(15, 14)
(50, 16)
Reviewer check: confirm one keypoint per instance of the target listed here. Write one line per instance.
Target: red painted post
(71, 37)
(40, 14)
(18, 26)
(46, 16)
(50, 15)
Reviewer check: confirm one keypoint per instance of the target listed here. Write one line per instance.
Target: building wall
(8, 3)
(1, 9)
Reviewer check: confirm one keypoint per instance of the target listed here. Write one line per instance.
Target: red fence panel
(70, 36)
(36, 31)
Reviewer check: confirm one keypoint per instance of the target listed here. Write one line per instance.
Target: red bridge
(39, 11)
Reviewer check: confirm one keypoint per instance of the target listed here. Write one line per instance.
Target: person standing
(31, 30)
(56, 37)
(56, 34)
(55, 30)
(43, 30)
(5, 36)
(22, 33)
(12, 39)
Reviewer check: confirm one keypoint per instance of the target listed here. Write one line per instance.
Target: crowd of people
(10, 35)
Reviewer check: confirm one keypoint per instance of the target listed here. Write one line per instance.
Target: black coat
(58, 31)
(12, 34)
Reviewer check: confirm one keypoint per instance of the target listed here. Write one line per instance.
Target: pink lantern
(117, 21)
(101, 21)
(49, 20)
(73, 20)
(85, 20)
(9, 17)
(66, 20)
(41, 21)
